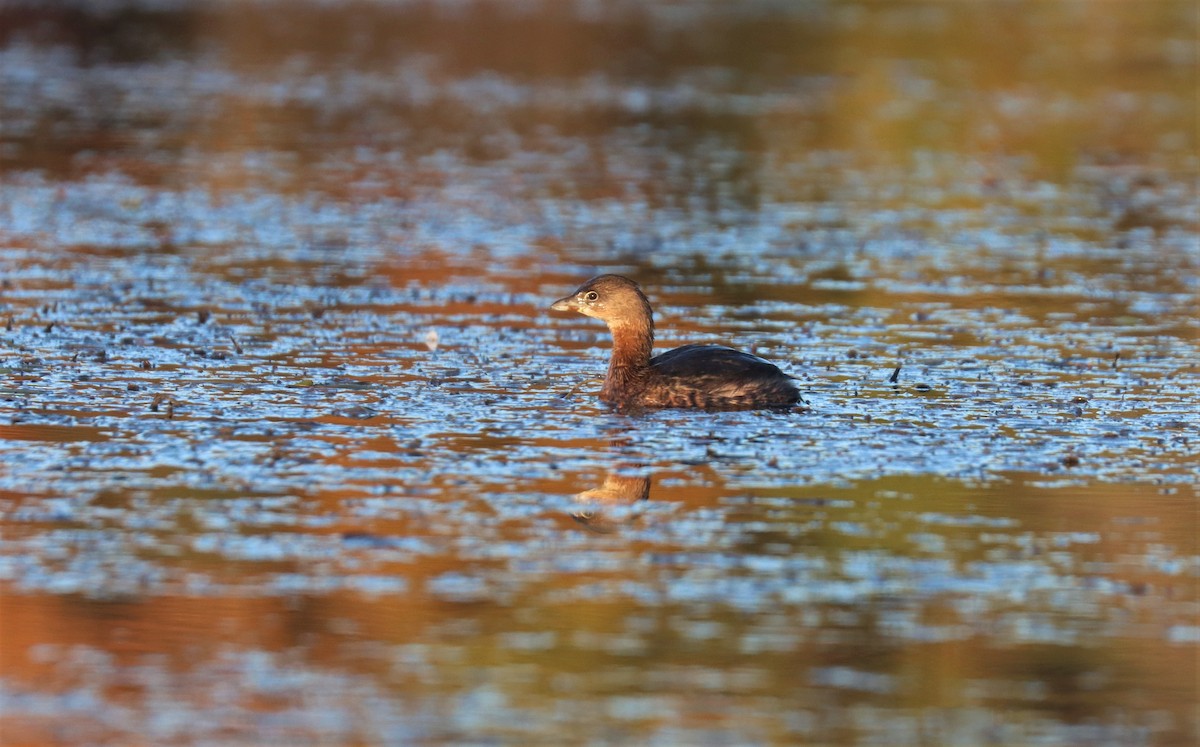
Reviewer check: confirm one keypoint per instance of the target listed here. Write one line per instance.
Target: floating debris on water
(291, 449)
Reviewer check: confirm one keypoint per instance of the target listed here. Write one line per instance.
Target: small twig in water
(575, 389)
(895, 375)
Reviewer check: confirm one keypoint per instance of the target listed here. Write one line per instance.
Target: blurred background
(291, 450)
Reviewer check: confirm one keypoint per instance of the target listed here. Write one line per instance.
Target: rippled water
(292, 450)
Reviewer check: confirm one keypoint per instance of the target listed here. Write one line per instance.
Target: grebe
(704, 376)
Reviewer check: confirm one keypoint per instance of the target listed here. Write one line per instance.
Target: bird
(710, 377)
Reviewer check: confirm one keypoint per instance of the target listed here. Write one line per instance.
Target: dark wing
(713, 362)
(717, 377)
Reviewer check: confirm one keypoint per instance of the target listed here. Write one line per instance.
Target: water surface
(292, 451)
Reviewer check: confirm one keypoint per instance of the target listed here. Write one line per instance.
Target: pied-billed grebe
(708, 376)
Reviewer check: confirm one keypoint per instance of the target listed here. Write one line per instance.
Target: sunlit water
(292, 451)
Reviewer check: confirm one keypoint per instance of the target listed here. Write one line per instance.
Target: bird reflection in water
(614, 503)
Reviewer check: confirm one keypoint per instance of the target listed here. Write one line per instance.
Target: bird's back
(714, 377)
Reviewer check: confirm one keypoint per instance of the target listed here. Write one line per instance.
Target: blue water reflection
(291, 451)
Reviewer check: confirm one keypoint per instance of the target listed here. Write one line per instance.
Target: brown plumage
(704, 376)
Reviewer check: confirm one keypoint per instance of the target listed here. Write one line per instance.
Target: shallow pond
(292, 450)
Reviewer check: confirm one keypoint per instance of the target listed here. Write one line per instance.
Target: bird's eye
(591, 296)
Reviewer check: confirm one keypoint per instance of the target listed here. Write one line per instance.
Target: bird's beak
(564, 304)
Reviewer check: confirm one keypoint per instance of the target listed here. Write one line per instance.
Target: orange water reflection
(542, 649)
(292, 452)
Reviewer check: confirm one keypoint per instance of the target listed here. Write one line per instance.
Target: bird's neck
(632, 345)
